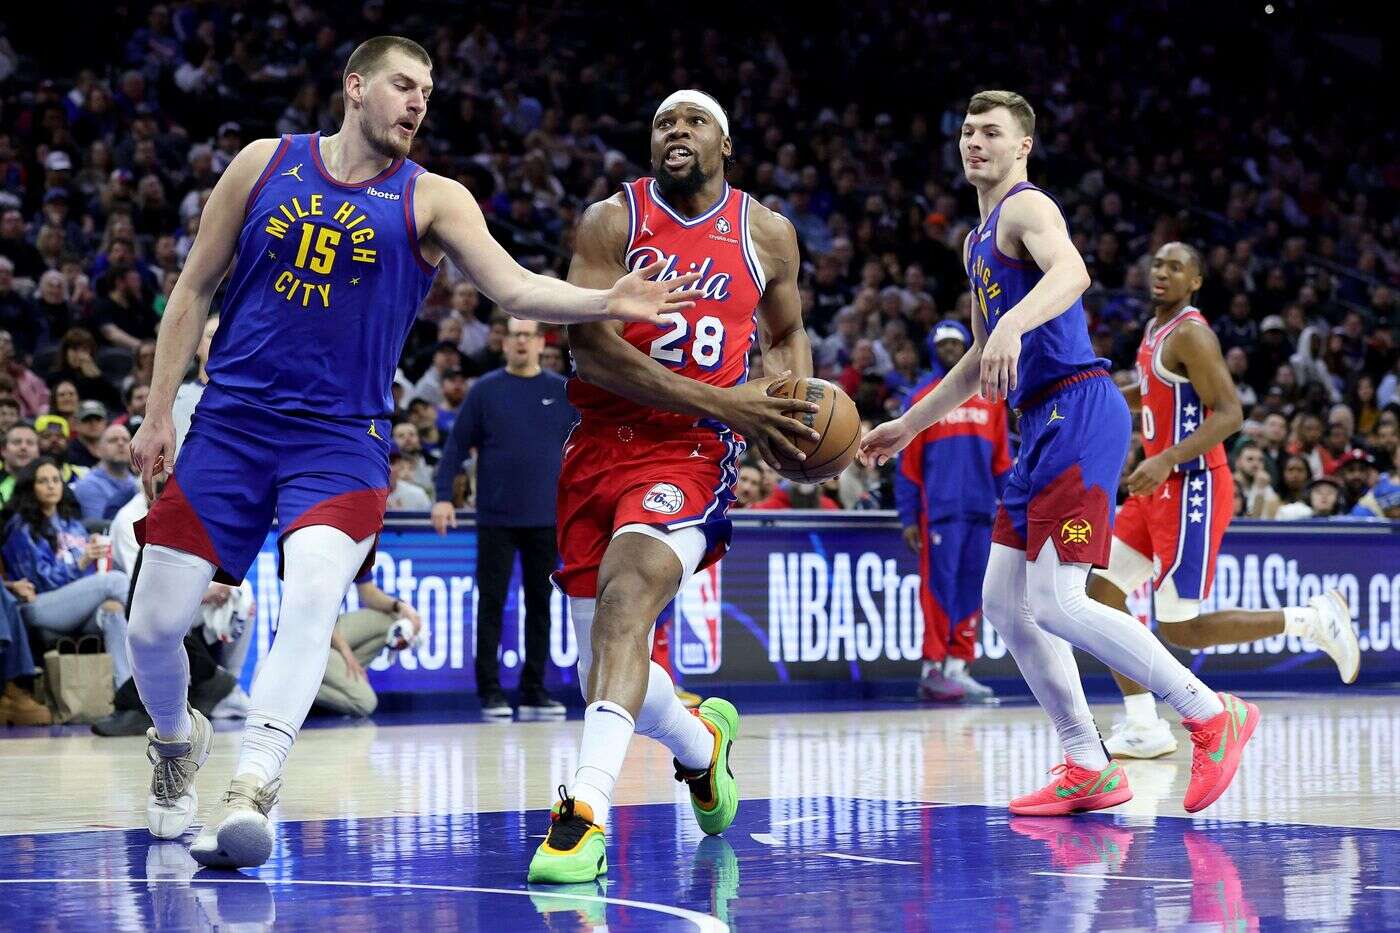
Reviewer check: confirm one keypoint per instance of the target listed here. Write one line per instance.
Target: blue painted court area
(794, 863)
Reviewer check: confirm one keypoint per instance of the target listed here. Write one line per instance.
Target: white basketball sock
(607, 728)
(169, 587)
(663, 717)
(1141, 707)
(319, 564)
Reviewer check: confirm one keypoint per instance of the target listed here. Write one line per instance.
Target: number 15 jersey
(326, 285)
(709, 342)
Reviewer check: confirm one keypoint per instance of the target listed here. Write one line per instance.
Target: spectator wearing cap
(1382, 502)
(85, 449)
(76, 362)
(110, 483)
(514, 421)
(1357, 471)
(27, 263)
(1321, 499)
(53, 444)
(56, 214)
(21, 448)
(1269, 353)
(30, 391)
(446, 358)
(227, 143)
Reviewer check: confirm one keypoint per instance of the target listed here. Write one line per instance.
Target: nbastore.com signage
(836, 598)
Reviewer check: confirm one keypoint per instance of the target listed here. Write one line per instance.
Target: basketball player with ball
(649, 470)
(1056, 520)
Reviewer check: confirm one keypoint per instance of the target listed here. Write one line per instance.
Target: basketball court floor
(882, 816)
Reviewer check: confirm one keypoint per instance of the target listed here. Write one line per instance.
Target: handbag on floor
(78, 675)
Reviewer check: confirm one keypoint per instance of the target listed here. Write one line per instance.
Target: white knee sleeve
(688, 544)
(1168, 607)
(1127, 567)
(581, 610)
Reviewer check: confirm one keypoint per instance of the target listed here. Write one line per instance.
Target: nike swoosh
(548, 401)
(268, 725)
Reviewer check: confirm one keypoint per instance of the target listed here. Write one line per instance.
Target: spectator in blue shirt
(516, 420)
(108, 486)
(46, 545)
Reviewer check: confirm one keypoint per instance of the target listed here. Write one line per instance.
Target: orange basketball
(836, 420)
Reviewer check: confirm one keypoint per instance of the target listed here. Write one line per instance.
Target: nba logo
(697, 625)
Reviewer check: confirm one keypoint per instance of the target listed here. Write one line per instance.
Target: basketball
(836, 420)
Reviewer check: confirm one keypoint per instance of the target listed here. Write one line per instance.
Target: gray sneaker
(939, 688)
(972, 690)
(239, 834)
(172, 803)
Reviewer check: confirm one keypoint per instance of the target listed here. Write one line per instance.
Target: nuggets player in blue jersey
(1032, 348)
(333, 243)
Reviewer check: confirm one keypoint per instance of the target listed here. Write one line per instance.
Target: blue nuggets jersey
(327, 282)
(1056, 349)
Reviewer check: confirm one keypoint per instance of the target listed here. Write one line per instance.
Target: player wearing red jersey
(1169, 531)
(649, 470)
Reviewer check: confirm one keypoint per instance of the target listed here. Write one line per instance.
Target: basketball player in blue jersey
(333, 243)
(1032, 347)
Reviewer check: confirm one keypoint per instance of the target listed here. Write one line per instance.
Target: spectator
(110, 484)
(517, 478)
(9, 413)
(1322, 499)
(135, 400)
(465, 303)
(1253, 476)
(553, 358)
(1357, 471)
(454, 392)
(1294, 478)
(1307, 442)
(404, 494)
(492, 356)
(17, 706)
(446, 358)
(416, 469)
(85, 449)
(45, 544)
(357, 639)
(124, 317)
(21, 449)
(1237, 329)
(16, 311)
(64, 403)
(52, 312)
(29, 390)
(54, 445)
(749, 489)
(1363, 404)
(788, 494)
(76, 362)
(422, 414)
(1383, 501)
(24, 260)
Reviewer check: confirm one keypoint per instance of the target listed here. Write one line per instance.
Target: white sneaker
(239, 835)
(233, 706)
(1131, 739)
(1332, 631)
(172, 803)
(972, 689)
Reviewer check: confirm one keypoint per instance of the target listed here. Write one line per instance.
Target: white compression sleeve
(169, 587)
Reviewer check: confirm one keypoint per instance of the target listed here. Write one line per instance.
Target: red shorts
(1179, 527)
(624, 474)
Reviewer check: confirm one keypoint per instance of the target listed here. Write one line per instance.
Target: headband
(699, 99)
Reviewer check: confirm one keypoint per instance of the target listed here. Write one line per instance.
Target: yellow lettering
(277, 227)
(986, 275)
(325, 291)
(284, 281)
(286, 213)
(360, 236)
(301, 211)
(326, 240)
(316, 205)
(363, 254)
(343, 212)
(994, 291)
(982, 303)
(306, 294)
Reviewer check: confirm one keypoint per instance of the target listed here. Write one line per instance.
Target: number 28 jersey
(709, 342)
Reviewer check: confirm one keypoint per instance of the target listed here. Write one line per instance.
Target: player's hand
(638, 297)
(882, 442)
(1000, 355)
(913, 539)
(766, 421)
(216, 595)
(153, 452)
(444, 517)
(1149, 474)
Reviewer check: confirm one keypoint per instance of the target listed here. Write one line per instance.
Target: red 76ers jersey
(1171, 409)
(709, 342)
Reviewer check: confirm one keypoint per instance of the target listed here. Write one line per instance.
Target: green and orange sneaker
(1217, 744)
(714, 794)
(1076, 789)
(574, 850)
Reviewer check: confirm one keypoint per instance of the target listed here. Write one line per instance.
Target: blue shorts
(1074, 440)
(242, 466)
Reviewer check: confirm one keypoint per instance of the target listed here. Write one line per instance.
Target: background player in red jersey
(1170, 530)
(648, 472)
(293, 422)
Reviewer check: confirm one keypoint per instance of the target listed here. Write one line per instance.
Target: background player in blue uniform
(327, 276)
(946, 489)
(1032, 348)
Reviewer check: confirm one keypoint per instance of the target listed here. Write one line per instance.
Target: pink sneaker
(1076, 790)
(1218, 743)
(939, 688)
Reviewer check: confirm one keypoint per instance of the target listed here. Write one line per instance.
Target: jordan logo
(646, 230)
(1166, 492)
(294, 171)
(374, 432)
(1055, 414)
(696, 452)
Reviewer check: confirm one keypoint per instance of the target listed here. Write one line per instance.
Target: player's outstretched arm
(1195, 349)
(605, 359)
(455, 224)
(182, 325)
(1033, 220)
(782, 335)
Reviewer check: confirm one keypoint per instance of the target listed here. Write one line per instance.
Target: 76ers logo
(1076, 531)
(712, 285)
(664, 498)
(722, 225)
